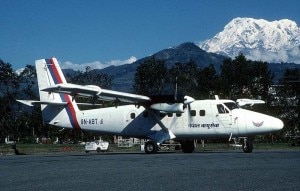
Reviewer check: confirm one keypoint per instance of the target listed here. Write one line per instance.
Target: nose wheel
(247, 145)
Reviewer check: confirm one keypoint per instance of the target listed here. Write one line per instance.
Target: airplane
(155, 118)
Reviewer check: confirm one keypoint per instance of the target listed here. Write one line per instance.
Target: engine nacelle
(93, 88)
(168, 107)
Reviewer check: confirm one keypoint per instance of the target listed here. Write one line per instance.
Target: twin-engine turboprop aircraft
(157, 118)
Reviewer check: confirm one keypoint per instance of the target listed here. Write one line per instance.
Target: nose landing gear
(247, 145)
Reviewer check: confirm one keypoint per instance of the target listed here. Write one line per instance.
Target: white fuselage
(201, 119)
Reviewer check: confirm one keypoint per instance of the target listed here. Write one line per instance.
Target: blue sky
(98, 32)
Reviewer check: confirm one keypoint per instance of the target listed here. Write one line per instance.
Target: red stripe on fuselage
(71, 113)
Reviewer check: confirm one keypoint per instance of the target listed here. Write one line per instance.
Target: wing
(96, 92)
(122, 96)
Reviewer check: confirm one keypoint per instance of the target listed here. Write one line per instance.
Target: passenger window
(193, 113)
(202, 112)
(222, 109)
(132, 115)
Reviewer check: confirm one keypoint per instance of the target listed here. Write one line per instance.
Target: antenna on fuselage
(175, 95)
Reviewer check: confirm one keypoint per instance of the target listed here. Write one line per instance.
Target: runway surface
(229, 170)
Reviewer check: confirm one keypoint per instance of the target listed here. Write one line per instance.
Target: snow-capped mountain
(257, 39)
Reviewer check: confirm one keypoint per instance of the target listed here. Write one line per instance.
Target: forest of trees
(238, 78)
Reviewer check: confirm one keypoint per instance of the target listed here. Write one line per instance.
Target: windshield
(231, 105)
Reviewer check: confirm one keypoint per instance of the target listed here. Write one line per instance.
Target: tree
(150, 77)
(27, 116)
(235, 77)
(245, 78)
(261, 80)
(208, 83)
(184, 78)
(90, 77)
(153, 78)
(29, 83)
(8, 90)
(287, 102)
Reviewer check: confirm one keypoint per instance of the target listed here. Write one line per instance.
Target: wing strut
(163, 135)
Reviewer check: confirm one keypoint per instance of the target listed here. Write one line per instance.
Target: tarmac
(216, 170)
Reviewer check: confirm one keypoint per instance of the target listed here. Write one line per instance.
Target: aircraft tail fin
(58, 109)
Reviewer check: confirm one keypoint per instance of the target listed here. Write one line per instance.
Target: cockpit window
(222, 109)
(231, 105)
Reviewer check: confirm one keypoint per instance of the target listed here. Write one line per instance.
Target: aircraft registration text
(92, 121)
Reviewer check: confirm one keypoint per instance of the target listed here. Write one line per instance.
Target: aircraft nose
(277, 124)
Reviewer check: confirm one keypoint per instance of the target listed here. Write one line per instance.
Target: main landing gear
(151, 147)
(187, 146)
(247, 145)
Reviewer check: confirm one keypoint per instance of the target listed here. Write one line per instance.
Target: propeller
(186, 99)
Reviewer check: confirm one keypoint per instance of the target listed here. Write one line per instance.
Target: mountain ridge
(185, 53)
(123, 75)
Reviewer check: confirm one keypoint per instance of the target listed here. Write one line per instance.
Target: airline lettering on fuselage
(92, 121)
(204, 125)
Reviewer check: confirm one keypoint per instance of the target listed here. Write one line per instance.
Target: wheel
(247, 146)
(187, 146)
(98, 150)
(150, 147)
(86, 151)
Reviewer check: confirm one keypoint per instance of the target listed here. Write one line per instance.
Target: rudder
(49, 74)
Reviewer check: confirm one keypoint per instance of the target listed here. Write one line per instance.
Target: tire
(87, 151)
(98, 150)
(187, 146)
(247, 146)
(150, 147)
